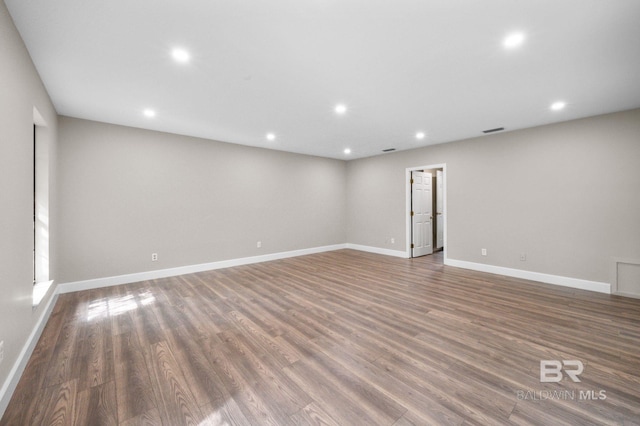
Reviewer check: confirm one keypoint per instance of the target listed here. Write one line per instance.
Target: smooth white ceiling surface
(281, 66)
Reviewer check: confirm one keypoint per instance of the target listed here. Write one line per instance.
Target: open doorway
(426, 210)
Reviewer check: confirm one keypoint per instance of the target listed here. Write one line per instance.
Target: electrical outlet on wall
(154, 257)
(259, 244)
(483, 252)
(393, 240)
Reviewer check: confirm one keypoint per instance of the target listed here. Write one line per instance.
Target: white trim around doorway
(407, 182)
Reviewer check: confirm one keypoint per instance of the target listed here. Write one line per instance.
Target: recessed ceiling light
(149, 113)
(271, 136)
(340, 109)
(347, 151)
(513, 40)
(557, 106)
(180, 55)
(420, 135)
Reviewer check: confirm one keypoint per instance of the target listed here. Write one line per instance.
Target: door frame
(409, 235)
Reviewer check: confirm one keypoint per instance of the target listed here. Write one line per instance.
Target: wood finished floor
(338, 338)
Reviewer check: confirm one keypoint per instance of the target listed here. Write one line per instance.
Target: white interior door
(421, 214)
(439, 210)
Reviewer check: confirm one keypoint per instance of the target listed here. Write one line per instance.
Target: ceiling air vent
(388, 150)
(497, 129)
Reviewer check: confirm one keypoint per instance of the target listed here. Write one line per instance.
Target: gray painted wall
(567, 195)
(126, 193)
(20, 91)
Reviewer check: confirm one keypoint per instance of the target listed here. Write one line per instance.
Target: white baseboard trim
(378, 250)
(10, 384)
(533, 276)
(181, 270)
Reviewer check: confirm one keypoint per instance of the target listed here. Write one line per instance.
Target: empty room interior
(320, 212)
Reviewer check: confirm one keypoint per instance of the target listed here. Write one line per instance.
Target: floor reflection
(114, 306)
(214, 419)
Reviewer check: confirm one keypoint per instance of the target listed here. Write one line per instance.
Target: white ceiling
(281, 66)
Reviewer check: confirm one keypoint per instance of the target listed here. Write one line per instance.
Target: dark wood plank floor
(338, 338)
